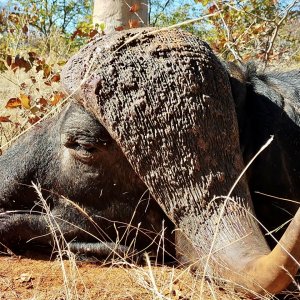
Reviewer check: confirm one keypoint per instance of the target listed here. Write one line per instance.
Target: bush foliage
(37, 38)
(261, 30)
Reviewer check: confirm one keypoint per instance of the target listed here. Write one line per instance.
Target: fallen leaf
(20, 62)
(212, 9)
(40, 61)
(42, 101)
(13, 103)
(56, 98)
(119, 28)
(92, 33)
(33, 119)
(5, 119)
(61, 62)
(34, 109)
(25, 29)
(55, 78)
(134, 8)
(47, 70)
(25, 100)
(32, 56)
(133, 23)
(39, 68)
(23, 86)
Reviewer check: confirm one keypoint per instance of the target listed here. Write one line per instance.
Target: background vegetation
(38, 36)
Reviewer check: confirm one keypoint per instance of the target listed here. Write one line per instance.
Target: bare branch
(163, 9)
(275, 32)
(248, 13)
(184, 23)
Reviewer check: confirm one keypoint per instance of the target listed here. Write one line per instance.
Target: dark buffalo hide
(269, 104)
(90, 190)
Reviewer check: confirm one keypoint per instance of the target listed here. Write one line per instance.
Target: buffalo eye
(81, 149)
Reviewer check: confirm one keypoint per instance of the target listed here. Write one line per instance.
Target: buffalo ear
(238, 81)
(237, 78)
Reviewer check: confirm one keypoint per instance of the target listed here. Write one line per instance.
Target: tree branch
(163, 9)
(275, 32)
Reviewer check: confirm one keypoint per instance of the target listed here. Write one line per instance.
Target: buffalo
(72, 157)
(268, 104)
(156, 110)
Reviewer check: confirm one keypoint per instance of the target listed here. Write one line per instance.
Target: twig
(277, 198)
(183, 23)
(163, 8)
(275, 32)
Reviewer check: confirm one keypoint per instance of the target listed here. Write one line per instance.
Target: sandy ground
(34, 279)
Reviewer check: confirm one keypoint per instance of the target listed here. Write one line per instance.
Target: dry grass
(151, 281)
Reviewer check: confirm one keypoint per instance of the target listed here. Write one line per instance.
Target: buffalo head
(104, 203)
(166, 100)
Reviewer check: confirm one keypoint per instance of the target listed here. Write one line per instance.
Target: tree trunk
(120, 14)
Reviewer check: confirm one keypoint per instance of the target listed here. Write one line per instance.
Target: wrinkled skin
(72, 155)
(268, 104)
